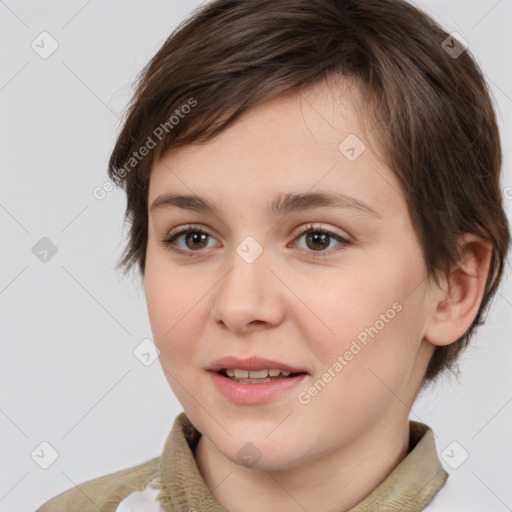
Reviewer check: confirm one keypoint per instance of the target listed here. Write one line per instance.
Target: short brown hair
(440, 138)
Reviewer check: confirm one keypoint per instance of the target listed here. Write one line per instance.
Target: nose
(249, 297)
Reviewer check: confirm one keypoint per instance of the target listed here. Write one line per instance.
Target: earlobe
(457, 303)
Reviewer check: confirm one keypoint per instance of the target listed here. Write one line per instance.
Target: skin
(328, 454)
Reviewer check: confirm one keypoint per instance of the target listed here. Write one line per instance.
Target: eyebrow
(282, 204)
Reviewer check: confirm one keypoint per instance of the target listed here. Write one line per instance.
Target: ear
(457, 302)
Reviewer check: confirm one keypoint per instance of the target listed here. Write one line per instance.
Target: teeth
(256, 374)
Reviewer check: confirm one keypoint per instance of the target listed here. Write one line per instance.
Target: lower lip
(259, 393)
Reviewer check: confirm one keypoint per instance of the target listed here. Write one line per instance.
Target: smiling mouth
(257, 376)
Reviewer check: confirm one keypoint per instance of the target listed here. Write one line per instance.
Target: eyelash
(169, 240)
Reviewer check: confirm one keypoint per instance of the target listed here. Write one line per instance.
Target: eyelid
(316, 226)
(185, 228)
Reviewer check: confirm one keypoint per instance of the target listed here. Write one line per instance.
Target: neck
(335, 482)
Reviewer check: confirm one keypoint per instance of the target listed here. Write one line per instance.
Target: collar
(410, 486)
(414, 482)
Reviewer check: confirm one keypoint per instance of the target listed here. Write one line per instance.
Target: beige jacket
(409, 488)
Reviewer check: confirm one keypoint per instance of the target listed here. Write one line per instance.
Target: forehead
(316, 139)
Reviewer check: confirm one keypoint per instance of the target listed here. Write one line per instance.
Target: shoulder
(104, 493)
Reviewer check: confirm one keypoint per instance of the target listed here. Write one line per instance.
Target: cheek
(348, 305)
(173, 316)
(369, 317)
(172, 308)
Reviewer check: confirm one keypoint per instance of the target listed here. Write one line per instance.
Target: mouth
(254, 380)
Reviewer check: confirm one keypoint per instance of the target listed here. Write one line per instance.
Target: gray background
(69, 326)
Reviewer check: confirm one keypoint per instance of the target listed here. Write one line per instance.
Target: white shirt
(141, 501)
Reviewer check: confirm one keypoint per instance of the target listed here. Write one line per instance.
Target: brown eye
(196, 240)
(317, 240)
(187, 241)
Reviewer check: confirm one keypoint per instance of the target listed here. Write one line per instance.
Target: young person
(313, 188)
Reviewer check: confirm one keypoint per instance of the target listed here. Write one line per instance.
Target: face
(331, 289)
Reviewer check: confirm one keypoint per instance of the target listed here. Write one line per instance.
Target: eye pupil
(318, 239)
(195, 237)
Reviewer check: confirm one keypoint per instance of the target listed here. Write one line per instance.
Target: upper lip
(251, 363)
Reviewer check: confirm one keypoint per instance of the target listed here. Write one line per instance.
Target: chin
(278, 462)
(265, 455)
